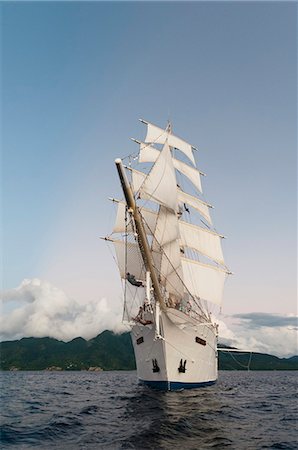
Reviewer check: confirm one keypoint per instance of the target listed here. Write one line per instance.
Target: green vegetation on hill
(110, 352)
(256, 361)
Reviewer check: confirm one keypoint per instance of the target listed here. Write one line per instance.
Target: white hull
(158, 358)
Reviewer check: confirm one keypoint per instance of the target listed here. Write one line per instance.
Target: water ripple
(109, 410)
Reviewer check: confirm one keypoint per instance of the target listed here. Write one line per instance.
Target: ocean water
(109, 410)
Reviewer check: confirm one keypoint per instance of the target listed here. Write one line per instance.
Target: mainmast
(144, 246)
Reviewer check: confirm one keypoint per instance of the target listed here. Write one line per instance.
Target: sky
(76, 77)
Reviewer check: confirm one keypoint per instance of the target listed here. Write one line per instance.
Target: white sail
(204, 241)
(203, 280)
(149, 217)
(160, 184)
(159, 136)
(167, 229)
(129, 259)
(150, 154)
(199, 205)
(138, 179)
(171, 270)
(190, 172)
(120, 223)
(165, 247)
(166, 242)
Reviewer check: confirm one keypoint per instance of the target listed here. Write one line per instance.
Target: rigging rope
(237, 362)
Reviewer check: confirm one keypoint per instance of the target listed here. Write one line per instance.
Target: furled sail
(159, 136)
(150, 154)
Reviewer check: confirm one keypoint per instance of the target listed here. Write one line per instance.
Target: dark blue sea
(109, 410)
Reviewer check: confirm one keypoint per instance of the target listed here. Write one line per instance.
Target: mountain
(110, 351)
(258, 361)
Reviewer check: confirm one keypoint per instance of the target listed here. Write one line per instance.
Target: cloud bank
(275, 334)
(38, 309)
(258, 320)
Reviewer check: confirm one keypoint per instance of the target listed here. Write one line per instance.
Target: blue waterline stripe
(175, 385)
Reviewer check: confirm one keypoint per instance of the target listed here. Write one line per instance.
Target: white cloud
(40, 309)
(238, 331)
(37, 308)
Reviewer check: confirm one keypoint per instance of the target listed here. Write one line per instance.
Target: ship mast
(142, 238)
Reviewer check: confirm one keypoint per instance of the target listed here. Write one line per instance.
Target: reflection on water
(180, 418)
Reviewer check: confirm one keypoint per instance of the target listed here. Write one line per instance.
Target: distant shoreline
(109, 351)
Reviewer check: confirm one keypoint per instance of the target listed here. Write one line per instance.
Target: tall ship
(170, 261)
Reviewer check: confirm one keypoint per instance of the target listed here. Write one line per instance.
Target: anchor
(182, 365)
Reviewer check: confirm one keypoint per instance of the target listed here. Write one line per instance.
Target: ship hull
(175, 385)
(182, 356)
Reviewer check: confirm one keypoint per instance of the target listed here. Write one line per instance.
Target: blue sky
(77, 76)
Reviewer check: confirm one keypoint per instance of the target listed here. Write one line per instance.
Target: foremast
(141, 234)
